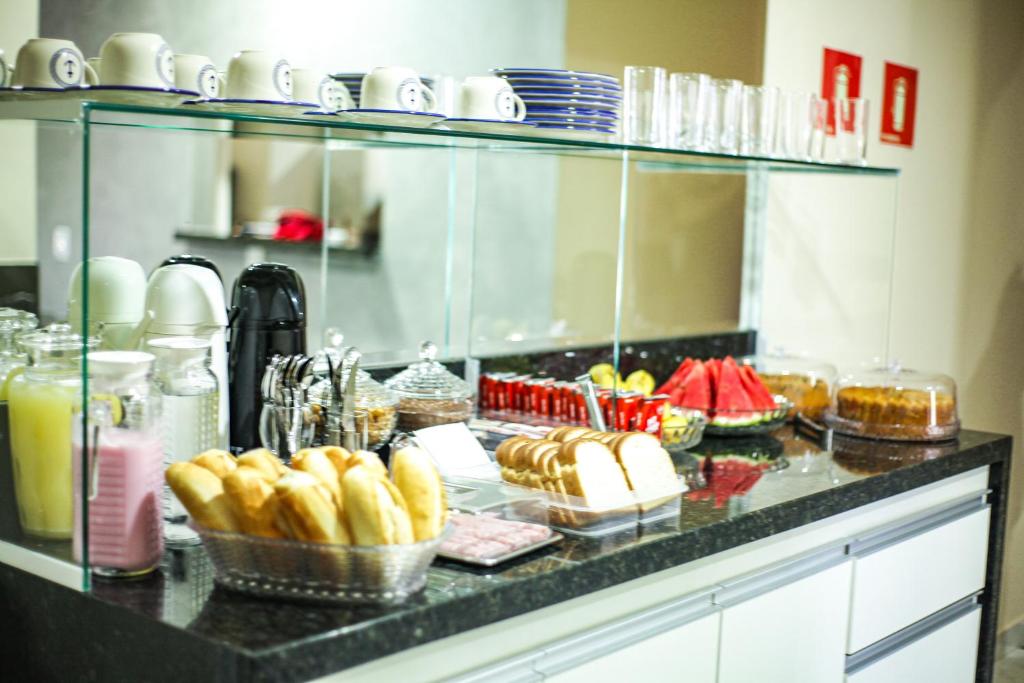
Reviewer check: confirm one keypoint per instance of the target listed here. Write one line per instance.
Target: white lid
(182, 297)
(119, 364)
(117, 291)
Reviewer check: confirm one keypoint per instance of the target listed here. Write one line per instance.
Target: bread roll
(217, 461)
(371, 461)
(202, 494)
(421, 488)
(266, 462)
(339, 457)
(314, 461)
(253, 502)
(376, 510)
(306, 511)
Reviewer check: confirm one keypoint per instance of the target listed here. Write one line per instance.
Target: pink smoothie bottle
(121, 473)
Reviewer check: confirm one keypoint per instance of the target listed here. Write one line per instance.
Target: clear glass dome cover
(427, 378)
(806, 382)
(893, 402)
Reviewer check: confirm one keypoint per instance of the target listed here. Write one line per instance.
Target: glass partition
(526, 255)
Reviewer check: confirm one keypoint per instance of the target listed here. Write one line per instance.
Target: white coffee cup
(259, 75)
(395, 88)
(196, 72)
(51, 63)
(6, 71)
(94, 64)
(489, 97)
(345, 100)
(316, 87)
(142, 60)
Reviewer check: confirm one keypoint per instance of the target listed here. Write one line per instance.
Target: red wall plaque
(899, 104)
(840, 77)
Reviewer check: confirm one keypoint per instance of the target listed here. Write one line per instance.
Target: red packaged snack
(627, 409)
(558, 407)
(516, 391)
(579, 415)
(652, 413)
(539, 396)
(604, 399)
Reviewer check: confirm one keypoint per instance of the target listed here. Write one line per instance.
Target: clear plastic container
(573, 515)
(319, 572)
(895, 403)
(429, 394)
(806, 382)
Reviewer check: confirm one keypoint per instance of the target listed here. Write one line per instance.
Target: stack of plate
(353, 80)
(560, 100)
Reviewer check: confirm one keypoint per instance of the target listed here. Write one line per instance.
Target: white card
(455, 450)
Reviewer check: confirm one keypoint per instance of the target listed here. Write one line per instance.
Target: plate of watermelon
(732, 396)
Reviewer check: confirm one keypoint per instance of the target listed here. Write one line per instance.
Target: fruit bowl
(682, 428)
(746, 422)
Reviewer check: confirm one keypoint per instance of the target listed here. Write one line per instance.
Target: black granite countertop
(176, 622)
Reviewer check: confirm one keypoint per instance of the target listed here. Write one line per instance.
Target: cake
(895, 406)
(810, 397)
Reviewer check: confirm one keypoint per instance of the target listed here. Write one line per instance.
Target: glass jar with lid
(189, 411)
(41, 403)
(807, 383)
(428, 394)
(893, 402)
(12, 323)
(122, 473)
(379, 403)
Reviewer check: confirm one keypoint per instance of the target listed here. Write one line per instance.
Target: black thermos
(268, 317)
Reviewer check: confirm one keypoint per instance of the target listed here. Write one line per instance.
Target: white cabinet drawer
(795, 632)
(898, 584)
(946, 655)
(689, 651)
(654, 645)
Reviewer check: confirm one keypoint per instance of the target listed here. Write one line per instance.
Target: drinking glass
(818, 116)
(760, 107)
(794, 124)
(687, 101)
(851, 130)
(644, 105)
(726, 95)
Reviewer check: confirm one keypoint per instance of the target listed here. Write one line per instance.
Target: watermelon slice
(732, 397)
(758, 392)
(677, 377)
(697, 387)
(714, 368)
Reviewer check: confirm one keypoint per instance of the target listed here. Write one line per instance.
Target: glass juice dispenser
(123, 469)
(41, 403)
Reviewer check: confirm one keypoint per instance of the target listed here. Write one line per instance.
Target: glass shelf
(340, 135)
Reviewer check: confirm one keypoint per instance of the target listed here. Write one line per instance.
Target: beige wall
(958, 292)
(686, 231)
(989, 303)
(19, 21)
